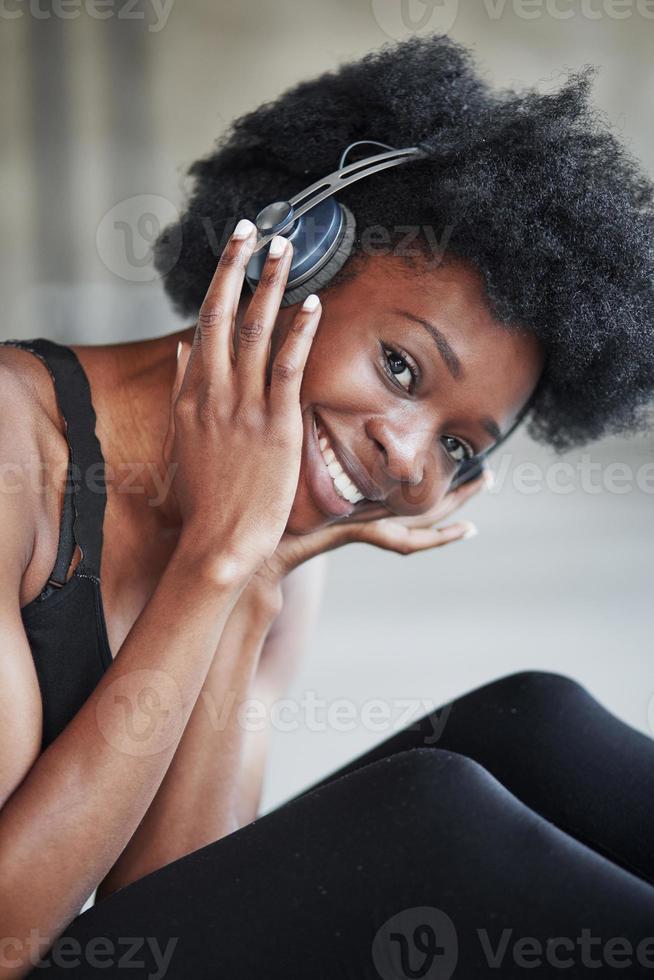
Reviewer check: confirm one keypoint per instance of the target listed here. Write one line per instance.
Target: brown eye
(456, 449)
(397, 365)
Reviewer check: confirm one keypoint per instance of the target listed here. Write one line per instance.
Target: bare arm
(196, 802)
(213, 784)
(68, 817)
(58, 836)
(285, 645)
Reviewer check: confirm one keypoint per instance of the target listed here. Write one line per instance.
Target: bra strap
(86, 468)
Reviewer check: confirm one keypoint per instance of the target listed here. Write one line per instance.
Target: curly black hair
(533, 188)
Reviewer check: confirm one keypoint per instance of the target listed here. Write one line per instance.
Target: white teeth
(342, 483)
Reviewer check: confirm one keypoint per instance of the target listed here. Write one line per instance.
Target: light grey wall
(100, 118)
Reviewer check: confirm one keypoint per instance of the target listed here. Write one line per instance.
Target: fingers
(446, 506)
(218, 310)
(422, 538)
(393, 536)
(288, 367)
(254, 332)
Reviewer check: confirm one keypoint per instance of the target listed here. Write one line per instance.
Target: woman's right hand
(236, 444)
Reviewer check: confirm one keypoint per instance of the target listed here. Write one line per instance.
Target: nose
(405, 457)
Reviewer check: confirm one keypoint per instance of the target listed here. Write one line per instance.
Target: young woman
(174, 574)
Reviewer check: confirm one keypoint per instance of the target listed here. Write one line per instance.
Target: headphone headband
(322, 244)
(324, 188)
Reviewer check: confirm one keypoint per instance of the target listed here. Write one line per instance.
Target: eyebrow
(492, 428)
(452, 363)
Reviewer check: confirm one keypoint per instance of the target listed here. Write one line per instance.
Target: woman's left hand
(378, 527)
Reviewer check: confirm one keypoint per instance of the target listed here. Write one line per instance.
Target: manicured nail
(243, 229)
(311, 303)
(489, 478)
(277, 246)
(471, 530)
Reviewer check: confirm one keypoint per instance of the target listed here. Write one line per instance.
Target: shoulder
(33, 451)
(26, 378)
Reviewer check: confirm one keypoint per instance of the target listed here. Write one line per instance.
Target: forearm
(74, 813)
(285, 647)
(256, 752)
(198, 800)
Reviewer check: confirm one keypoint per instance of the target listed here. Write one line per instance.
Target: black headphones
(322, 231)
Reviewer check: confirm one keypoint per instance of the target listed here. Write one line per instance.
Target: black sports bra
(65, 623)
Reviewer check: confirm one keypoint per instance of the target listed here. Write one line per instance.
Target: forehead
(451, 296)
(453, 292)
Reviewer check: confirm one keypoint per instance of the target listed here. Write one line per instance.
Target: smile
(342, 483)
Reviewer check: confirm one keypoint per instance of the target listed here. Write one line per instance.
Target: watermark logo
(153, 13)
(416, 943)
(141, 712)
(399, 18)
(143, 953)
(127, 233)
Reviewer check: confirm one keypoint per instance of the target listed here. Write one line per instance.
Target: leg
(546, 739)
(334, 886)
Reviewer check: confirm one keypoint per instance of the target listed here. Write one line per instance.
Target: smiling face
(408, 373)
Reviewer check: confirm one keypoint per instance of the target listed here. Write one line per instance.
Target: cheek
(341, 377)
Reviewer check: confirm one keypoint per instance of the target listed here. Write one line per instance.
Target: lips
(318, 479)
(351, 466)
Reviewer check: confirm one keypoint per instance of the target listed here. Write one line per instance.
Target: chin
(304, 516)
(301, 522)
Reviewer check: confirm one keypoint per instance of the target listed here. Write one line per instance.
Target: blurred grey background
(103, 109)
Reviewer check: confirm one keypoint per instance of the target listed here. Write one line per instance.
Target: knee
(425, 782)
(536, 688)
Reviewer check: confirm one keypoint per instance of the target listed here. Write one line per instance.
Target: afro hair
(533, 188)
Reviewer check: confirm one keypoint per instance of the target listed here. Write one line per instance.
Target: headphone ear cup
(468, 470)
(333, 265)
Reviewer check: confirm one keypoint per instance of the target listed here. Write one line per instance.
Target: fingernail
(471, 530)
(179, 348)
(311, 303)
(243, 229)
(489, 478)
(277, 246)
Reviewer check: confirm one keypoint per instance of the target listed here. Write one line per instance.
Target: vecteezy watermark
(400, 18)
(128, 231)
(526, 477)
(156, 13)
(100, 953)
(424, 942)
(565, 952)
(317, 714)
(585, 475)
(141, 712)
(139, 477)
(417, 942)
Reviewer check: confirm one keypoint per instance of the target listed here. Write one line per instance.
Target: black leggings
(508, 834)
